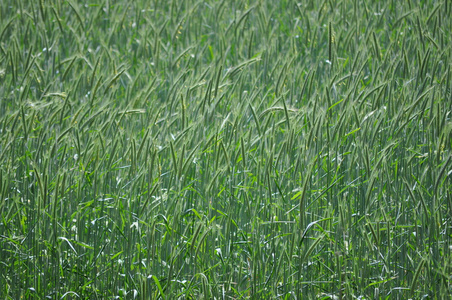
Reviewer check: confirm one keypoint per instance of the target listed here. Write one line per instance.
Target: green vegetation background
(225, 149)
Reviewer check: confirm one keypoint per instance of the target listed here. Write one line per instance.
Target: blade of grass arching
(93, 74)
(232, 72)
(256, 120)
(159, 287)
(112, 81)
(192, 283)
(201, 244)
(96, 88)
(69, 67)
(375, 233)
(189, 158)
(416, 275)
(424, 207)
(28, 67)
(91, 119)
(77, 13)
(324, 191)
(281, 78)
(243, 17)
(7, 25)
(195, 237)
(213, 181)
(149, 196)
(312, 247)
(286, 114)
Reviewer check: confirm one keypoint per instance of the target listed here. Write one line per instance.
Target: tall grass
(225, 149)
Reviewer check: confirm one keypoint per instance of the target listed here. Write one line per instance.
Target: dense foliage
(225, 149)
